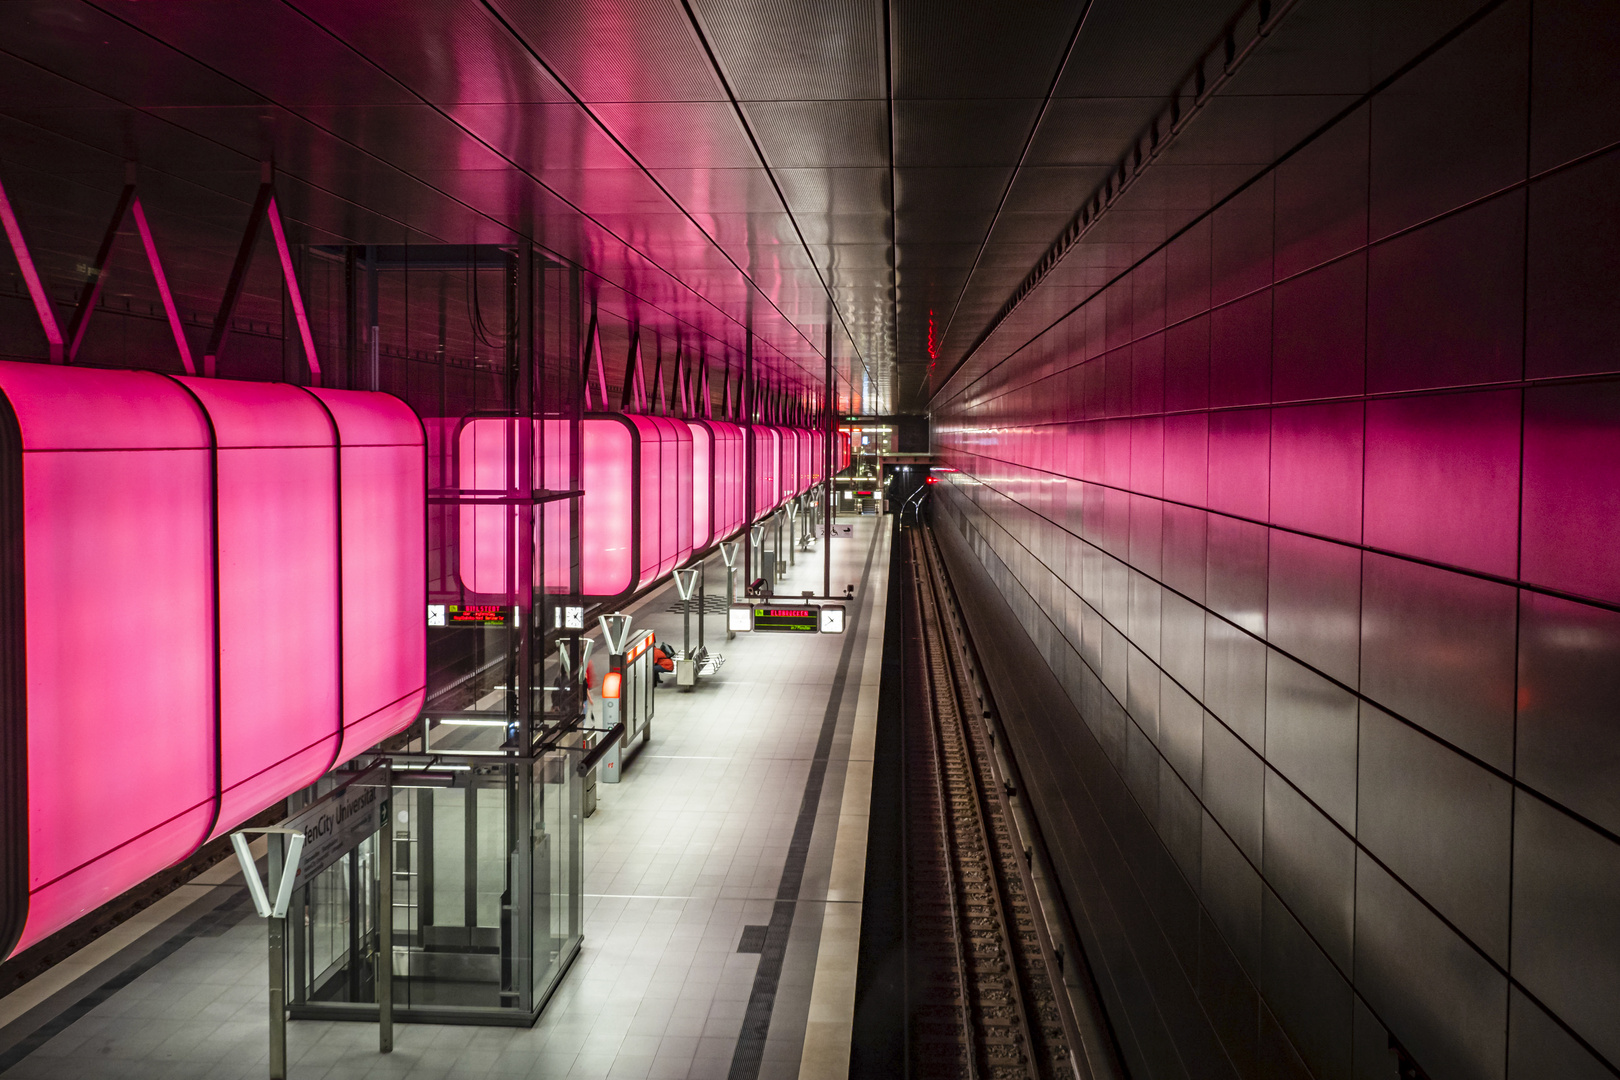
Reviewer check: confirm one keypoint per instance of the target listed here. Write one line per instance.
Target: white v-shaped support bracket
(250, 871)
(615, 632)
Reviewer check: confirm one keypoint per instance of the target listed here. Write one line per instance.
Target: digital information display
(805, 620)
(466, 615)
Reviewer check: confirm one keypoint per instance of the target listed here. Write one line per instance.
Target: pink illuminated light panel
(135, 487)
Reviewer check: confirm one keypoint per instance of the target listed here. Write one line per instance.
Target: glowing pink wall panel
(151, 714)
(702, 485)
(717, 488)
(730, 479)
(120, 660)
(486, 455)
(384, 555)
(607, 538)
(766, 447)
(666, 495)
(632, 465)
(277, 540)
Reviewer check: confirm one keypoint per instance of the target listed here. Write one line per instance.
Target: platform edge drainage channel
(756, 1025)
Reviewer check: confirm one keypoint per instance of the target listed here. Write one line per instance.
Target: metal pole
(703, 568)
(278, 969)
(830, 401)
(749, 449)
(385, 920)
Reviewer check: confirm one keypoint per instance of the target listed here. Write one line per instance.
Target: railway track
(987, 1000)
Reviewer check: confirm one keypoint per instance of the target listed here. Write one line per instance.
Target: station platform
(723, 886)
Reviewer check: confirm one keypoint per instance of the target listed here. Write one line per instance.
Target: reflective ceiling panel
(725, 171)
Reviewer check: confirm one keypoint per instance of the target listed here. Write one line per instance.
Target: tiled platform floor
(680, 856)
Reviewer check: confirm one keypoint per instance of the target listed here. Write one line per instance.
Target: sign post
(686, 667)
(384, 978)
(286, 847)
(299, 850)
(728, 555)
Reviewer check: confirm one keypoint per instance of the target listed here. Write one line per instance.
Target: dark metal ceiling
(713, 164)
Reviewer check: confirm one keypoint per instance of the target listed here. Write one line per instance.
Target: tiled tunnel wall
(1314, 515)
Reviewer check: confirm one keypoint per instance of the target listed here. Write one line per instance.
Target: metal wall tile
(1232, 788)
(1442, 479)
(1181, 821)
(1568, 746)
(1186, 459)
(1181, 641)
(1440, 822)
(1240, 462)
(1435, 648)
(1312, 865)
(1187, 273)
(1311, 736)
(1312, 1001)
(1372, 1053)
(1571, 320)
(1539, 1049)
(1453, 129)
(1116, 301)
(1313, 602)
(1147, 534)
(1566, 889)
(1181, 732)
(1237, 571)
(1319, 328)
(1322, 198)
(1573, 103)
(1228, 995)
(1117, 380)
(1230, 890)
(1142, 770)
(1240, 244)
(1240, 352)
(1441, 999)
(1144, 624)
(1571, 488)
(1235, 678)
(1445, 302)
(1142, 692)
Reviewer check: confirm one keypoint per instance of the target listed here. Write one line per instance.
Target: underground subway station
(730, 540)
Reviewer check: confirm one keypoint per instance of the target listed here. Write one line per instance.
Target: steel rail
(1015, 1017)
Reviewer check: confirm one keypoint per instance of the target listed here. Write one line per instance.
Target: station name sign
(337, 823)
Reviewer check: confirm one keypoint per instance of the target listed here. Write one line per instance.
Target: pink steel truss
(36, 288)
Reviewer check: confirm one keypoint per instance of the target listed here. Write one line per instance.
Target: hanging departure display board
(782, 620)
(466, 615)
